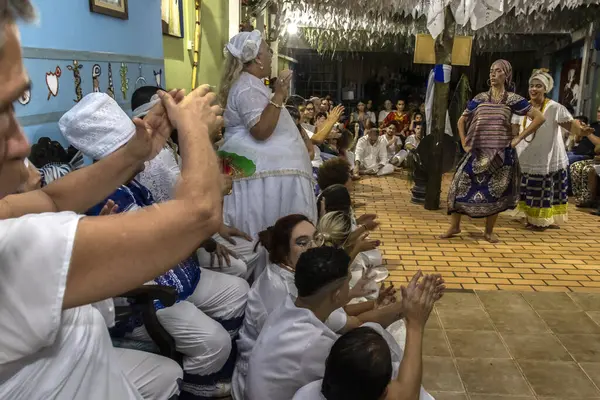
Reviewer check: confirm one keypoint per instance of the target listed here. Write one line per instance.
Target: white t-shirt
(290, 352)
(47, 353)
(371, 156)
(269, 292)
(312, 391)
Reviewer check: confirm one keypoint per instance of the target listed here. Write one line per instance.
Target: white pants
(241, 267)
(386, 169)
(204, 342)
(155, 377)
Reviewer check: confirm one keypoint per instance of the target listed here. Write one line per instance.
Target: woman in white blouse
(260, 131)
(55, 263)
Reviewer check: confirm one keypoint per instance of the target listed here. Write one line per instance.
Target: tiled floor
(513, 346)
(565, 260)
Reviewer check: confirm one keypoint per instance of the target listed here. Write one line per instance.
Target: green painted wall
(178, 61)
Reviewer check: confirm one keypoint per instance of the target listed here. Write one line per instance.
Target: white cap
(96, 126)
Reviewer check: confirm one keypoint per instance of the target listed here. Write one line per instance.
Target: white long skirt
(256, 204)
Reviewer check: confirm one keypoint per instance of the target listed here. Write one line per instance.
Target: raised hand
(368, 220)
(152, 132)
(282, 85)
(197, 108)
(337, 112)
(364, 286)
(363, 243)
(387, 295)
(418, 299)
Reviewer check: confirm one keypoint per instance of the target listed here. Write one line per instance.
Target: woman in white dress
(272, 172)
(543, 158)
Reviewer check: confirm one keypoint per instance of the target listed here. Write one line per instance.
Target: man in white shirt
(292, 346)
(412, 142)
(371, 155)
(363, 363)
(55, 263)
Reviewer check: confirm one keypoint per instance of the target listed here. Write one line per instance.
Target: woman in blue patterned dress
(486, 181)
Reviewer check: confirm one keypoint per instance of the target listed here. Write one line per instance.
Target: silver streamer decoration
(363, 25)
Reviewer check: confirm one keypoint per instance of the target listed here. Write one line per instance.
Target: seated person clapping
(55, 263)
(292, 347)
(210, 305)
(362, 364)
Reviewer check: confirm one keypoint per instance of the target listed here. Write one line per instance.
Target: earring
(489, 83)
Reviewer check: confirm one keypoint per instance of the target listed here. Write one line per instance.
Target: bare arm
(334, 116)
(270, 115)
(117, 253)
(408, 384)
(576, 128)
(84, 188)
(307, 142)
(537, 120)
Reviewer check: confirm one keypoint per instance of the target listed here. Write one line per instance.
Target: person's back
(289, 353)
(291, 349)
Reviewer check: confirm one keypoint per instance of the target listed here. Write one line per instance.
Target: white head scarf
(244, 46)
(544, 77)
(96, 126)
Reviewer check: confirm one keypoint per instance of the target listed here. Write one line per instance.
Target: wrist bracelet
(276, 105)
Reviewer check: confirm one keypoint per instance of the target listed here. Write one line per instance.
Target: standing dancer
(543, 158)
(486, 180)
(260, 131)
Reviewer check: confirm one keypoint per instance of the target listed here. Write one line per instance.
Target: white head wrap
(96, 126)
(244, 46)
(543, 77)
(144, 109)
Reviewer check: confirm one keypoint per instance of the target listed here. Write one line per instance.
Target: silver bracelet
(275, 104)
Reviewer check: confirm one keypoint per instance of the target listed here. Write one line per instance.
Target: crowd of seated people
(252, 317)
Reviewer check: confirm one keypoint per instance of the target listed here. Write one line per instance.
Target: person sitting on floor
(292, 347)
(285, 242)
(413, 140)
(584, 147)
(222, 253)
(371, 155)
(210, 305)
(361, 364)
(334, 171)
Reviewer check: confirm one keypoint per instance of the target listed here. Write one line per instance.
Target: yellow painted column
(178, 55)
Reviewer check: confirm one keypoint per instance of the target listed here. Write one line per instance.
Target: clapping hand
(337, 113)
(368, 220)
(362, 289)
(387, 295)
(363, 243)
(418, 299)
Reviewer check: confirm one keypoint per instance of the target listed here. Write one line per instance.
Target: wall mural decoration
(25, 97)
(113, 8)
(111, 88)
(140, 81)
(158, 77)
(172, 17)
(124, 80)
(96, 72)
(77, 76)
(52, 81)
